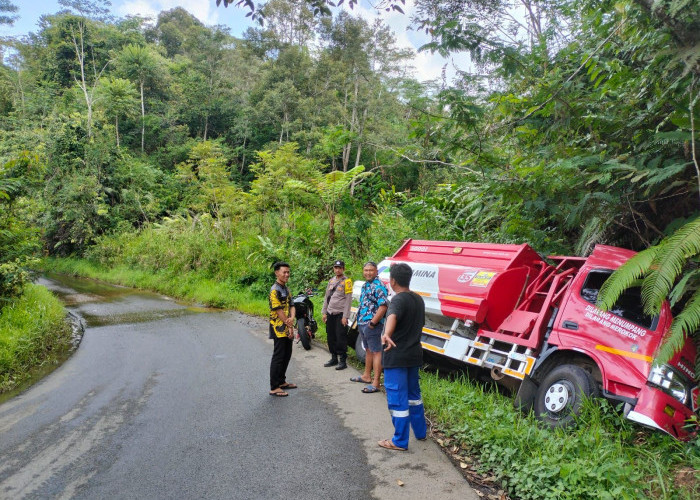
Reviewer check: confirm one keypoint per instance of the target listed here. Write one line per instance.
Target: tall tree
(141, 64)
(173, 29)
(118, 98)
(364, 58)
(96, 10)
(291, 22)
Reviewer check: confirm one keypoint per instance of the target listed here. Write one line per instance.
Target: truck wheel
(560, 395)
(360, 349)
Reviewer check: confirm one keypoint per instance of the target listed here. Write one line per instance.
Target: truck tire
(360, 352)
(560, 396)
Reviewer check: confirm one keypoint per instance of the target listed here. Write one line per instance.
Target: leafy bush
(13, 276)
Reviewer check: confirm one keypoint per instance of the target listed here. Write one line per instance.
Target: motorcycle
(304, 314)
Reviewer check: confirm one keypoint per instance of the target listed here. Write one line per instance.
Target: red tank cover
(481, 282)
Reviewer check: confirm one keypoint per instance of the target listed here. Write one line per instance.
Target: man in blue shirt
(370, 322)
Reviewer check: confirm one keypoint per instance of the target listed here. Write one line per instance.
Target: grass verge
(33, 334)
(190, 286)
(604, 457)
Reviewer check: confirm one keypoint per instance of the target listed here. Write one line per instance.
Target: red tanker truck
(533, 323)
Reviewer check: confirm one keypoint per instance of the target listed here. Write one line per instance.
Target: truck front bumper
(658, 410)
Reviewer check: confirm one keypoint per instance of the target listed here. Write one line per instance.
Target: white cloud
(205, 11)
(141, 8)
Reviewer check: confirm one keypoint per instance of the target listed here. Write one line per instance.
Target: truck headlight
(669, 381)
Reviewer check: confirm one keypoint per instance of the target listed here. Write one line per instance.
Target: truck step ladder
(511, 359)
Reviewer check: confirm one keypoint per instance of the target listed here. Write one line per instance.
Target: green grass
(33, 334)
(603, 456)
(190, 286)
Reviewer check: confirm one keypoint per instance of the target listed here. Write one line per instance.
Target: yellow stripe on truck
(513, 373)
(528, 365)
(436, 333)
(433, 348)
(455, 298)
(627, 354)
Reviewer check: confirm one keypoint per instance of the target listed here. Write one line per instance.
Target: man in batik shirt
(370, 323)
(281, 330)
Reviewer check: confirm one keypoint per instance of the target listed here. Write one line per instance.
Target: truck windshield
(628, 306)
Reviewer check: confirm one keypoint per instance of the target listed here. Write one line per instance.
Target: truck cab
(621, 344)
(533, 323)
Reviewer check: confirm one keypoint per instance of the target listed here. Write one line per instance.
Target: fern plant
(675, 260)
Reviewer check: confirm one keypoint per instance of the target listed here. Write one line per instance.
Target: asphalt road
(166, 401)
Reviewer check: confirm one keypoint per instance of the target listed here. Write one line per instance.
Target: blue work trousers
(405, 404)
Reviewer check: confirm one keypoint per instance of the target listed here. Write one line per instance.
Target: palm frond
(10, 187)
(685, 324)
(625, 276)
(334, 183)
(668, 265)
(582, 209)
(661, 175)
(296, 184)
(689, 281)
(591, 234)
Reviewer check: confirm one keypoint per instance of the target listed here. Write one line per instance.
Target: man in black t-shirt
(402, 358)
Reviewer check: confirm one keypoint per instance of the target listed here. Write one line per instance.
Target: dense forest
(168, 144)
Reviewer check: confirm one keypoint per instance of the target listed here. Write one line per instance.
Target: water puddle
(81, 289)
(135, 317)
(93, 304)
(102, 304)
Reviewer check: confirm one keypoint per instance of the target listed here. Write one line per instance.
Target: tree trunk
(80, 54)
(143, 117)
(243, 159)
(346, 156)
(20, 90)
(285, 120)
(353, 123)
(79, 46)
(359, 137)
(116, 126)
(331, 228)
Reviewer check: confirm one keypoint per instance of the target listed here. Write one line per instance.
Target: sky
(427, 66)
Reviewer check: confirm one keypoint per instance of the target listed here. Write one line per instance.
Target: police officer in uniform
(335, 313)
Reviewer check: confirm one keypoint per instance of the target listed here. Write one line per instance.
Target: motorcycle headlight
(669, 381)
